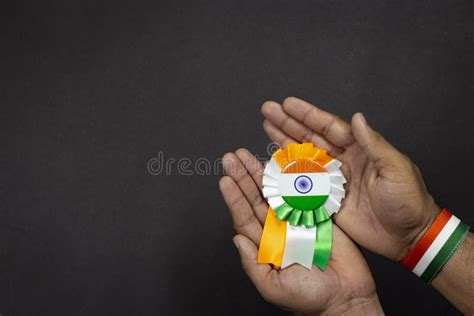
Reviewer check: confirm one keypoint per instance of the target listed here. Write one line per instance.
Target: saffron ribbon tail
(272, 243)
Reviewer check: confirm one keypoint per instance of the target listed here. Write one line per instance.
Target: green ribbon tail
(322, 246)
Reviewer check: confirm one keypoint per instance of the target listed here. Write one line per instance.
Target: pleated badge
(304, 187)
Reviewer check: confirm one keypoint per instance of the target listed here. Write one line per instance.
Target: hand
(345, 286)
(387, 208)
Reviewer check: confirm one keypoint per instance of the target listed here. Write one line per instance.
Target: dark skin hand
(373, 213)
(387, 208)
(341, 289)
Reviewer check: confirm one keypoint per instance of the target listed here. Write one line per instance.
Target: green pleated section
(282, 212)
(320, 214)
(308, 219)
(295, 217)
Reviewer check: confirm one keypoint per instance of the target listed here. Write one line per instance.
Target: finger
(253, 166)
(262, 275)
(234, 168)
(378, 150)
(333, 128)
(282, 139)
(245, 222)
(277, 135)
(273, 112)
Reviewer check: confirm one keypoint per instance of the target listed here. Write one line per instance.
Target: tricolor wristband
(436, 247)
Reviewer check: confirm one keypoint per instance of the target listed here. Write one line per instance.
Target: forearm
(456, 279)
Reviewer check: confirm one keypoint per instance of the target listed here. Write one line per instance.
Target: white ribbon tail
(299, 246)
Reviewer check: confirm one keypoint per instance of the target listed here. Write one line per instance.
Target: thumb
(248, 255)
(377, 149)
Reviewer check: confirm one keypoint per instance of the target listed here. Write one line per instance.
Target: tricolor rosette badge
(304, 187)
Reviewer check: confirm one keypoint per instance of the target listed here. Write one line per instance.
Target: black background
(90, 92)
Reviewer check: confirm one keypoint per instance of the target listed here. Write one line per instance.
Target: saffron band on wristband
(436, 247)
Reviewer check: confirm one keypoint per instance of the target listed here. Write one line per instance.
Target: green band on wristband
(446, 252)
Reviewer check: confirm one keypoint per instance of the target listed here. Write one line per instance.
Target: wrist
(356, 306)
(437, 246)
(430, 213)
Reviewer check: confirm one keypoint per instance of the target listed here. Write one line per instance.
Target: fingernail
(236, 243)
(362, 117)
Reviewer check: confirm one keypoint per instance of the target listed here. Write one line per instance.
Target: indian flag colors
(436, 247)
(304, 187)
(301, 181)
